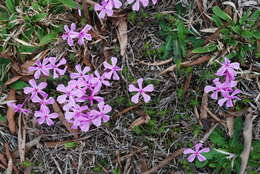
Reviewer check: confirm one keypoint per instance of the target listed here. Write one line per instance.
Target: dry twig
(127, 110)
(11, 113)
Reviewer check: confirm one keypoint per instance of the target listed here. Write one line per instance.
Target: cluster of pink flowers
(71, 33)
(196, 153)
(105, 8)
(227, 88)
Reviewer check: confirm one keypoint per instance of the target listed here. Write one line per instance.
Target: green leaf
(70, 145)
(220, 13)
(2, 118)
(201, 164)
(206, 49)
(48, 38)
(70, 3)
(18, 85)
(10, 6)
(247, 34)
(39, 17)
(217, 138)
(27, 164)
(168, 47)
(256, 34)
(217, 20)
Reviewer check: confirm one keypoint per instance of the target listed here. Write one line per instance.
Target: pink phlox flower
(43, 101)
(85, 123)
(75, 111)
(100, 115)
(140, 91)
(105, 8)
(70, 34)
(137, 3)
(101, 80)
(228, 99)
(54, 64)
(219, 87)
(116, 3)
(18, 108)
(196, 153)
(112, 69)
(228, 69)
(92, 97)
(81, 73)
(44, 116)
(83, 34)
(35, 89)
(40, 68)
(69, 94)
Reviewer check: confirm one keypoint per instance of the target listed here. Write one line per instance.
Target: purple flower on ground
(228, 98)
(83, 34)
(54, 64)
(18, 108)
(227, 69)
(92, 97)
(35, 89)
(105, 9)
(68, 95)
(80, 73)
(140, 91)
(220, 87)
(116, 3)
(112, 69)
(101, 80)
(43, 101)
(196, 153)
(45, 116)
(40, 68)
(101, 114)
(75, 111)
(137, 3)
(70, 34)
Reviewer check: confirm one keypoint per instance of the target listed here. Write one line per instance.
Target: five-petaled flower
(54, 65)
(196, 153)
(105, 8)
(112, 69)
(228, 99)
(70, 34)
(43, 101)
(140, 91)
(44, 116)
(83, 34)
(35, 89)
(137, 3)
(18, 108)
(40, 68)
(81, 73)
(100, 115)
(227, 69)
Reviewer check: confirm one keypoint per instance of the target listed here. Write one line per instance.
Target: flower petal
(135, 98)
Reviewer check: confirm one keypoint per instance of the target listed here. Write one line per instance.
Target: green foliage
(70, 145)
(19, 85)
(27, 164)
(70, 3)
(206, 49)
(2, 118)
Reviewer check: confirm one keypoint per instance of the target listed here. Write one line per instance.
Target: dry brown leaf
(127, 110)
(164, 162)
(57, 109)
(11, 166)
(204, 104)
(25, 66)
(12, 80)
(198, 61)
(230, 125)
(187, 84)
(247, 134)
(3, 160)
(121, 24)
(141, 120)
(21, 139)
(53, 144)
(11, 113)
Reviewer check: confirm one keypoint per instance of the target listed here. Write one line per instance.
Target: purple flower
(113, 69)
(105, 9)
(137, 3)
(227, 69)
(92, 97)
(70, 34)
(43, 101)
(101, 79)
(84, 35)
(220, 87)
(116, 3)
(68, 95)
(140, 91)
(154, 2)
(40, 68)
(35, 89)
(75, 111)
(45, 116)
(54, 64)
(80, 73)
(196, 153)
(101, 114)
(228, 98)
(18, 108)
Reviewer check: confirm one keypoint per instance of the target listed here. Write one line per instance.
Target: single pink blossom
(45, 116)
(101, 80)
(81, 73)
(196, 153)
(40, 68)
(92, 97)
(70, 34)
(112, 69)
(18, 108)
(100, 115)
(228, 99)
(35, 89)
(116, 3)
(137, 3)
(105, 9)
(228, 69)
(83, 34)
(85, 123)
(69, 94)
(54, 64)
(140, 91)
(219, 88)
(75, 111)
(43, 101)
